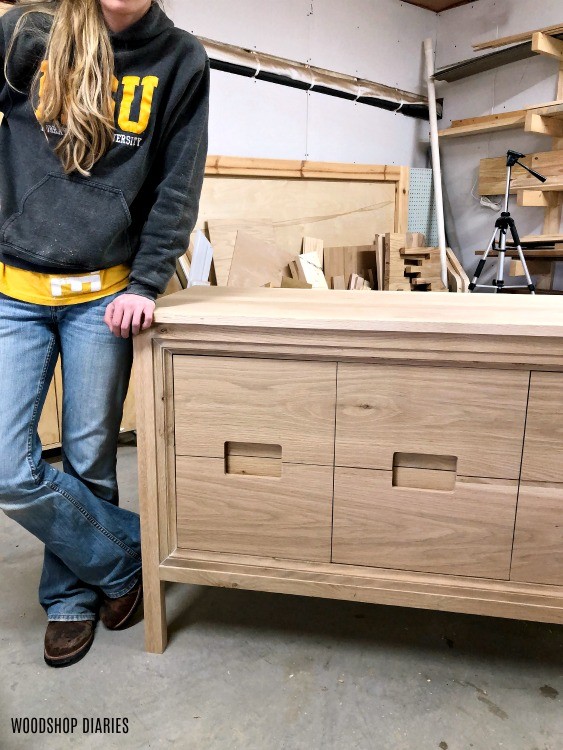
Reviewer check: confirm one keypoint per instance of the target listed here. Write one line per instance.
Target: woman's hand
(129, 313)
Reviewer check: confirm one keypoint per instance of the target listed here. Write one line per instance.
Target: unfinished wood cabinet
(287, 516)
(220, 400)
(364, 447)
(542, 461)
(538, 541)
(386, 409)
(463, 531)
(254, 450)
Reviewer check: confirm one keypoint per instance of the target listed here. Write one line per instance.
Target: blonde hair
(76, 88)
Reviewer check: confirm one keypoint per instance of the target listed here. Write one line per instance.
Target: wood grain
(538, 541)
(492, 172)
(459, 314)
(347, 260)
(392, 587)
(287, 517)
(486, 124)
(151, 502)
(339, 212)
(224, 399)
(386, 409)
(464, 532)
(543, 445)
(223, 237)
(257, 261)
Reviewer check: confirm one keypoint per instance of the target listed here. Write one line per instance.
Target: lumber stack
(246, 254)
(410, 266)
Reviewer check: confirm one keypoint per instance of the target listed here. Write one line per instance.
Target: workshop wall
(376, 39)
(504, 89)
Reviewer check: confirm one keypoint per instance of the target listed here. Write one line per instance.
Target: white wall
(503, 89)
(376, 39)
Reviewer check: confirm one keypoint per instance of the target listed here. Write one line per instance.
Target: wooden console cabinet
(394, 448)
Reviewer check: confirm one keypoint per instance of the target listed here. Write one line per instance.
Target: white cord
(483, 200)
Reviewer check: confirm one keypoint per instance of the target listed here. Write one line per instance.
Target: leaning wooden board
(337, 445)
(338, 203)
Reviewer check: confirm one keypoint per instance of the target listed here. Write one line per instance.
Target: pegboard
(422, 207)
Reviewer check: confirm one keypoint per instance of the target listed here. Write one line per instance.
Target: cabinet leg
(156, 629)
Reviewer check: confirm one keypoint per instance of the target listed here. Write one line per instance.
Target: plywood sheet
(339, 212)
(223, 235)
(257, 262)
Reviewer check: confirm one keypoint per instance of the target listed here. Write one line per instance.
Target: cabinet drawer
(291, 404)
(543, 445)
(474, 415)
(538, 541)
(467, 531)
(288, 516)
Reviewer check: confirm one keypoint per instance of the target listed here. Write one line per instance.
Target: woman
(103, 147)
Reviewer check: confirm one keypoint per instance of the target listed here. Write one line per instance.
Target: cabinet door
(538, 540)
(287, 516)
(543, 446)
(463, 531)
(254, 456)
(255, 401)
(474, 415)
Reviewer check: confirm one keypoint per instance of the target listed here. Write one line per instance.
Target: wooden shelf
(541, 239)
(506, 50)
(526, 36)
(543, 253)
(486, 124)
(546, 118)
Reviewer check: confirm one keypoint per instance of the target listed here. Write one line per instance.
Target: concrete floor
(253, 671)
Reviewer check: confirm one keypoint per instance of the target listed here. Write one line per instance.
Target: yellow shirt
(61, 289)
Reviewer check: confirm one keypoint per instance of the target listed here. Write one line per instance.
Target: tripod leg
(516, 239)
(481, 264)
(499, 281)
(529, 281)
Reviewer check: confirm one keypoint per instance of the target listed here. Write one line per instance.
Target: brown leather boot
(116, 614)
(67, 642)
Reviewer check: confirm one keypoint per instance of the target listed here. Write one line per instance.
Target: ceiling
(439, 5)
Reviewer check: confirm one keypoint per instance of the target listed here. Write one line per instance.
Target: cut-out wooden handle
(424, 471)
(253, 459)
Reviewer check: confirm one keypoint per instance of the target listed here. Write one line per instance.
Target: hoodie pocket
(70, 222)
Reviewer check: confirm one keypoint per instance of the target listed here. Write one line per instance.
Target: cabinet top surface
(425, 312)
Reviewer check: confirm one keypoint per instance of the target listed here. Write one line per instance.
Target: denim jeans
(91, 544)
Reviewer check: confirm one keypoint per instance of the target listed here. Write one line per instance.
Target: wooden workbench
(394, 448)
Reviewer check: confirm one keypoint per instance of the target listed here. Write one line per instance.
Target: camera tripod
(502, 225)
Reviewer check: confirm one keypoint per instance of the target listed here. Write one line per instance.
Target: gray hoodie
(141, 202)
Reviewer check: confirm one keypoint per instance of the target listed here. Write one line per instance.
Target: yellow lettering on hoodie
(130, 85)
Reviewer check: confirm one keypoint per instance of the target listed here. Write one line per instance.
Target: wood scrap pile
(246, 254)
(411, 266)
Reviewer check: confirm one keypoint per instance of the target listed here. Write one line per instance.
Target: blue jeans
(91, 544)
